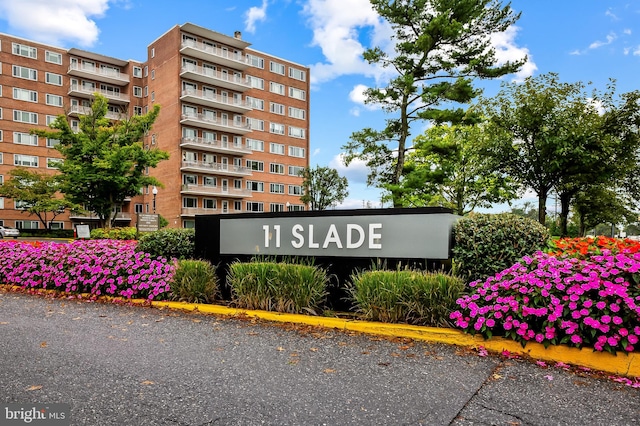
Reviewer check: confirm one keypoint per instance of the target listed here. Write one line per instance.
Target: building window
(297, 93)
(189, 202)
(51, 78)
(255, 61)
(276, 128)
(276, 88)
(276, 67)
(276, 148)
(297, 132)
(209, 181)
(276, 207)
(255, 82)
(255, 124)
(137, 91)
(27, 224)
(189, 179)
(276, 188)
(256, 166)
(296, 207)
(53, 57)
(297, 74)
(25, 160)
(295, 190)
(153, 52)
(25, 95)
(295, 170)
(297, 113)
(25, 139)
(24, 72)
(209, 203)
(253, 206)
(24, 50)
(255, 186)
(49, 119)
(153, 74)
(1, 162)
(255, 103)
(54, 163)
(56, 225)
(276, 168)
(276, 108)
(138, 208)
(25, 117)
(51, 143)
(54, 100)
(137, 72)
(255, 145)
(237, 206)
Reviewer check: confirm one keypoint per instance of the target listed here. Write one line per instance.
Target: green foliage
(281, 287)
(407, 296)
(440, 46)
(105, 162)
(37, 193)
(486, 244)
(127, 233)
(195, 281)
(169, 243)
(446, 169)
(323, 186)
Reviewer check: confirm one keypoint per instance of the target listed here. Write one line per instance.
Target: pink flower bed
(592, 301)
(99, 267)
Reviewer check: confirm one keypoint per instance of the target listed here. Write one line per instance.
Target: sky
(581, 40)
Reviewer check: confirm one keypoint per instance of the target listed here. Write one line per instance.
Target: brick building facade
(235, 121)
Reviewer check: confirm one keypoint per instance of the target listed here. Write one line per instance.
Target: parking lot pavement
(132, 365)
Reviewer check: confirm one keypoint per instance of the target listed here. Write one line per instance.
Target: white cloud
(337, 28)
(255, 14)
(612, 15)
(55, 21)
(357, 170)
(316, 152)
(598, 43)
(636, 51)
(507, 50)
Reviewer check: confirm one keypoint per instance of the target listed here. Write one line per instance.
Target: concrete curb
(623, 364)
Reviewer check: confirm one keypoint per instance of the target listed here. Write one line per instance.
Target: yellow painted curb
(624, 364)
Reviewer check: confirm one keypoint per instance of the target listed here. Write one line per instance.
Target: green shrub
(194, 281)
(280, 287)
(128, 233)
(486, 244)
(406, 296)
(169, 243)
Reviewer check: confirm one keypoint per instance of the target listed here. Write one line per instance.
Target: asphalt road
(126, 365)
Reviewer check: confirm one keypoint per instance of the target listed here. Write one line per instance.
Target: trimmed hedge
(128, 233)
(488, 243)
(195, 281)
(170, 243)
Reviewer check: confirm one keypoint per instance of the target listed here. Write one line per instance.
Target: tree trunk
(565, 198)
(542, 206)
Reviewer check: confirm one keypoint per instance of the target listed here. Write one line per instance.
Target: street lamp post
(154, 191)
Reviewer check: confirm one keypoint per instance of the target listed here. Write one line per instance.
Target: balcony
(191, 212)
(123, 217)
(105, 75)
(80, 91)
(214, 146)
(222, 56)
(217, 101)
(215, 168)
(207, 121)
(77, 110)
(215, 78)
(216, 191)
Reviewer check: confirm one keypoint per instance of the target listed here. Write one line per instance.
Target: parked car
(9, 232)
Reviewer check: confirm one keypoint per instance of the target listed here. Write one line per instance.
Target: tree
(446, 169)
(599, 204)
(323, 187)
(36, 194)
(440, 46)
(105, 162)
(553, 135)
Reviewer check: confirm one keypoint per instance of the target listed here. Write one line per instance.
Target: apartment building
(235, 121)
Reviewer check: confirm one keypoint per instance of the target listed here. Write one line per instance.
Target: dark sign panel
(148, 222)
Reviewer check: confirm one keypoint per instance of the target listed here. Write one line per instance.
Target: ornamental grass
(98, 267)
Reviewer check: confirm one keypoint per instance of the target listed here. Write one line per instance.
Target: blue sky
(587, 40)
